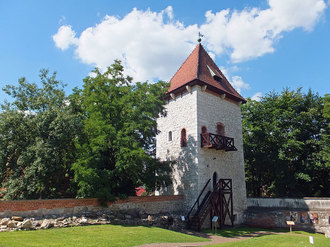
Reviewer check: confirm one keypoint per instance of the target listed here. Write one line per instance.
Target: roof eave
(210, 87)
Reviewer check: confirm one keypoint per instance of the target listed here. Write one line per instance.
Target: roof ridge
(198, 59)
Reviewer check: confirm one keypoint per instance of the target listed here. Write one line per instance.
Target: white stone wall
(181, 113)
(211, 109)
(195, 165)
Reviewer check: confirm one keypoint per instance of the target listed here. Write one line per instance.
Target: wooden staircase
(217, 202)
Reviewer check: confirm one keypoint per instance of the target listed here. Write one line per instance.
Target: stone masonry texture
(195, 165)
(309, 214)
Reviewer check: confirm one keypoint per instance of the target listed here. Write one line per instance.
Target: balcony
(218, 142)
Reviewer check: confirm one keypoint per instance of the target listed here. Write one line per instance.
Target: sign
(311, 240)
(214, 224)
(290, 223)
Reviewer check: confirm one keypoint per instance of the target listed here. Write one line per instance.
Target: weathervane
(200, 37)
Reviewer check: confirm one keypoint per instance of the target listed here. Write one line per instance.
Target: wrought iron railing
(219, 142)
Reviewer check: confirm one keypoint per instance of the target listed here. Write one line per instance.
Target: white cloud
(27, 113)
(257, 96)
(62, 20)
(65, 37)
(251, 33)
(236, 81)
(239, 84)
(150, 44)
(92, 74)
(153, 44)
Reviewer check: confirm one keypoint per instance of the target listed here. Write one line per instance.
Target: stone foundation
(129, 217)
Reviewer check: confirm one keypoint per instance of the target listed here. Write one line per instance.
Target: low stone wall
(297, 203)
(105, 216)
(307, 213)
(70, 207)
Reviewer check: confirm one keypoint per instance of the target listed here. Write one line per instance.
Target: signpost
(290, 223)
(214, 224)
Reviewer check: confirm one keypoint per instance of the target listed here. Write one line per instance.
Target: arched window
(205, 137)
(221, 129)
(183, 138)
(170, 136)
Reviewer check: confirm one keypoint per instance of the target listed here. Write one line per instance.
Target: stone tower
(202, 131)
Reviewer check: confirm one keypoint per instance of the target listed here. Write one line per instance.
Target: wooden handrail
(218, 142)
(203, 207)
(197, 201)
(220, 202)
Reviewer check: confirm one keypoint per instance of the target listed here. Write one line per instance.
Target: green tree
(283, 147)
(324, 155)
(116, 150)
(37, 132)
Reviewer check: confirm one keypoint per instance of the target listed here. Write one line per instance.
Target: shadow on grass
(205, 235)
(243, 232)
(227, 232)
(202, 234)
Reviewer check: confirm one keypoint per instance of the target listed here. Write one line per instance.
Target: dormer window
(216, 77)
(183, 140)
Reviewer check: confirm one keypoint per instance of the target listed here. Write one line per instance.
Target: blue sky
(260, 45)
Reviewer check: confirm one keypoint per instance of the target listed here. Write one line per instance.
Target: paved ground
(214, 239)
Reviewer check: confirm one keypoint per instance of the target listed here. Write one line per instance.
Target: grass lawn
(117, 235)
(100, 235)
(230, 232)
(273, 239)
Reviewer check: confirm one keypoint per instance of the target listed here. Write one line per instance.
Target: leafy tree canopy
(117, 147)
(37, 132)
(286, 144)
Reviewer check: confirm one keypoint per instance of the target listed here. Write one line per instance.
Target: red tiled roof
(199, 68)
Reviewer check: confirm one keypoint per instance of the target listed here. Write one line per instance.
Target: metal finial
(200, 37)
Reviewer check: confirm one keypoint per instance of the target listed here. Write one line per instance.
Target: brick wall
(27, 205)
(31, 208)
